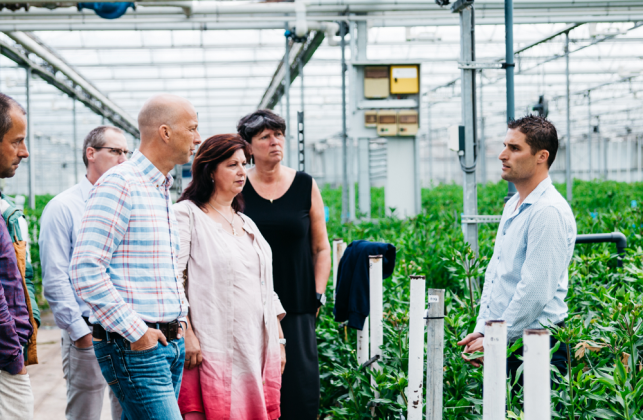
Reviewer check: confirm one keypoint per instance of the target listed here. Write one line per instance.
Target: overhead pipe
(301, 25)
(277, 22)
(31, 45)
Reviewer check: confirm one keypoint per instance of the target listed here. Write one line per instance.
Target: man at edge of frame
(527, 278)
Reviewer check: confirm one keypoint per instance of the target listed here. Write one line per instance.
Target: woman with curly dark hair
(234, 344)
(287, 207)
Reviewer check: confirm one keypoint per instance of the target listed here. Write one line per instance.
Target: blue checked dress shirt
(526, 279)
(59, 226)
(125, 261)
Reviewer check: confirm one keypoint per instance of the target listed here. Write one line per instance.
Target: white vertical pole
(336, 258)
(434, 354)
(628, 157)
(537, 374)
(495, 370)
(376, 305)
(30, 144)
(362, 343)
(589, 136)
(416, 349)
(638, 148)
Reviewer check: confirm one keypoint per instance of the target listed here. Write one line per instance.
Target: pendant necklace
(234, 231)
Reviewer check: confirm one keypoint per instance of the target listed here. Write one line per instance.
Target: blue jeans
(147, 382)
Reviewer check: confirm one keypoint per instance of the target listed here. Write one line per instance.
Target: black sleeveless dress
(285, 224)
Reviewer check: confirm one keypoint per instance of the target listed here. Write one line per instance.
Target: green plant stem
(473, 310)
(572, 416)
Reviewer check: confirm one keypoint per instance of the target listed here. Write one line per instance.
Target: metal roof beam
(300, 52)
(74, 86)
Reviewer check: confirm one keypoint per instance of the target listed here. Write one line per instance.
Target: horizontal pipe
(374, 21)
(615, 237)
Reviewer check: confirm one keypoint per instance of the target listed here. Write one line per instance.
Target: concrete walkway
(47, 382)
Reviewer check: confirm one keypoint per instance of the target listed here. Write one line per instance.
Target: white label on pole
(434, 299)
(405, 73)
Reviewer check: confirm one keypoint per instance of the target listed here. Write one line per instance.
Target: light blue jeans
(147, 382)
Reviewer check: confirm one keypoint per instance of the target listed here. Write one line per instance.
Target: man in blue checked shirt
(526, 279)
(103, 148)
(124, 265)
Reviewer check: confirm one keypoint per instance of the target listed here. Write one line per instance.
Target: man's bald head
(169, 131)
(161, 110)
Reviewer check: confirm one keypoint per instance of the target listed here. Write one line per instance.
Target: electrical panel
(407, 123)
(405, 80)
(370, 119)
(376, 82)
(387, 123)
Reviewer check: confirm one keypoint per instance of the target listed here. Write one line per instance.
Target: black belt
(169, 329)
(89, 324)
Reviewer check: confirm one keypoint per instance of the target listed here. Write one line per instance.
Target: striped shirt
(526, 279)
(125, 260)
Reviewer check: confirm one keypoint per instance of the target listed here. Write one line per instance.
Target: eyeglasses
(116, 151)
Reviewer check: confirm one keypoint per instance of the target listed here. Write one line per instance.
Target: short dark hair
(96, 138)
(253, 124)
(209, 155)
(541, 134)
(6, 104)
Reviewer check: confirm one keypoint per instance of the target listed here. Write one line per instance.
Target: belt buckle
(173, 329)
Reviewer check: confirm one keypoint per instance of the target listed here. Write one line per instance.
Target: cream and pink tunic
(234, 312)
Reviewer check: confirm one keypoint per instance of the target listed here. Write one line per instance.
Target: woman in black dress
(287, 208)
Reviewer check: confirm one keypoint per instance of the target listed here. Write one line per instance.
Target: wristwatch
(282, 341)
(321, 299)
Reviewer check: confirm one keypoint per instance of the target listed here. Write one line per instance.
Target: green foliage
(604, 330)
(33, 218)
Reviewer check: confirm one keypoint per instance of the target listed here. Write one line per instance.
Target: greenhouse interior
(399, 111)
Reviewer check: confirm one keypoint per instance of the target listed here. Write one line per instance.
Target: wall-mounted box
(387, 123)
(407, 123)
(376, 82)
(405, 80)
(370, 119)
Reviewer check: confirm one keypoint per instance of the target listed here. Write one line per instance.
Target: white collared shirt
(59, 227)
(526, 280)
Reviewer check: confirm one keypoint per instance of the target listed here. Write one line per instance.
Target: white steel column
(468, 162)
(429, 142)
(537, 374)
(638, 148)
(589, 136)
(364, 178)
(568, 141)
(495, 370)
(74, 143)
(345, 195)
(434, 354)
(416, 349)
(31, 147)
(376, 306)
(482, 151)
(289, 154)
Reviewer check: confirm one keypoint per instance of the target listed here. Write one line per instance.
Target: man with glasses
(103, 148)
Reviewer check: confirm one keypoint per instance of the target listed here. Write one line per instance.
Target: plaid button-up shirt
(125, 260)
